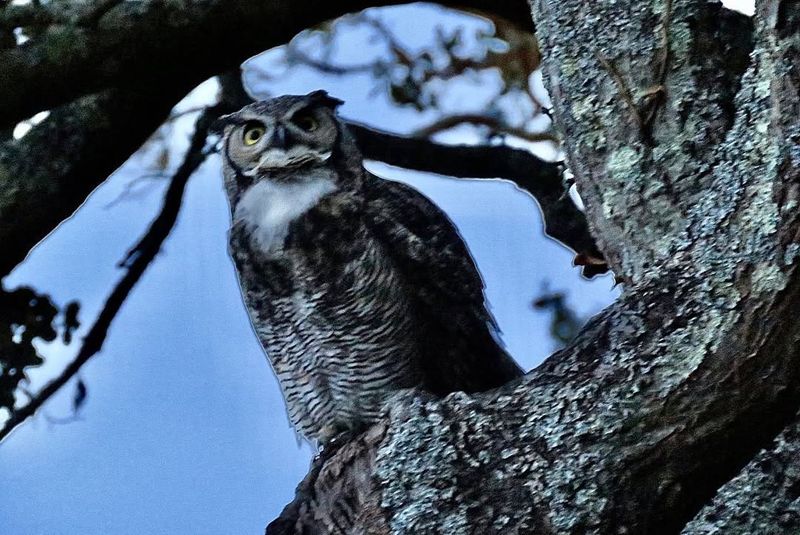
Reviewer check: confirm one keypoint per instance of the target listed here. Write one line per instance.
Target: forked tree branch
(542, 179)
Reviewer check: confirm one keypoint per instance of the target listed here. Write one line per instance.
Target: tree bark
(763, 498)
(681, 124)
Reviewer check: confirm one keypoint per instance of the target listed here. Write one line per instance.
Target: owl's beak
(279, 138)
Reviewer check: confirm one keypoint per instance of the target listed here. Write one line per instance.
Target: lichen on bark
(686, 157)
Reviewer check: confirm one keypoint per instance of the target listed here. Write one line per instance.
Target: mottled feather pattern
(462, 349)
(331, 326)
(368, 290)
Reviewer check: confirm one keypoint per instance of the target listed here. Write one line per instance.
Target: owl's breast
(334, 316)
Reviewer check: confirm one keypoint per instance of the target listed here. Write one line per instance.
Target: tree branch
(562, 219)
(182, 42)
(30, 15)
(136, 262)
(55, 166)
(695, 116)
(451, 121)
(295, 56)
(763, 498)
(48, 173)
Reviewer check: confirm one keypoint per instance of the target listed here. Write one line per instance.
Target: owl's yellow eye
(252, 133)
(305, 122)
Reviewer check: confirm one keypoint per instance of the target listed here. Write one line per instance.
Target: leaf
(79, 397)
(71, 322)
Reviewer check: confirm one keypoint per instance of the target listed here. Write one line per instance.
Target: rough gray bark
(685, 149)
(763, 498)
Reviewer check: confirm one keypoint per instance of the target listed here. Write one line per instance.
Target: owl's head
(284, 138)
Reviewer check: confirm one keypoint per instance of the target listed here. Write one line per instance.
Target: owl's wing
(461, 346)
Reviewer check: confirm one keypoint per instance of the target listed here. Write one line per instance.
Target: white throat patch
(267, 208)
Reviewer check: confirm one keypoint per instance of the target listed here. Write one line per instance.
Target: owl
(356, 286)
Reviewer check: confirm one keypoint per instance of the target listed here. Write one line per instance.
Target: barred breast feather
(367, 292)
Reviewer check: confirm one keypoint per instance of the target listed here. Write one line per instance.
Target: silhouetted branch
(136, 262)
(497, 126)
(185, 43)
(65, 157)
(297, 57)
(60, 161)
(542, 179)
(407, 74)
(74, 54)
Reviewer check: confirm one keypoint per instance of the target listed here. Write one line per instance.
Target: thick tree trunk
(684, 145)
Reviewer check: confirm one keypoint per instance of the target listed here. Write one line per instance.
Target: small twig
(25, 391)
(136, 262)
(661, 73)
(55, 420)
(128, 189)
(451, 121)
(654, 97)
(296, 56)
(162, 224)
(644, 113)
(402, 54)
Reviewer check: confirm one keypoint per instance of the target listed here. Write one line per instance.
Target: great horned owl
(356, 286)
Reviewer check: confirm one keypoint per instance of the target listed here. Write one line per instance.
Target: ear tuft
(320, 96)
(217, 127)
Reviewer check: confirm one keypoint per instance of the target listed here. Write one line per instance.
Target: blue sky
(184, 430)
